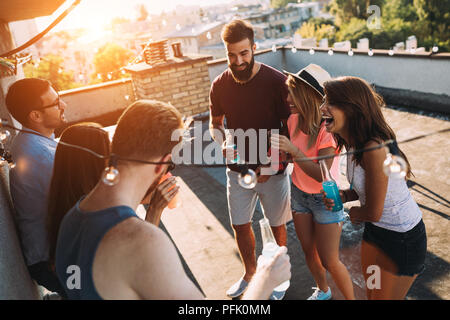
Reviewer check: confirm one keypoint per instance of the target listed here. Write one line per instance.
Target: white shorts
(274, 195)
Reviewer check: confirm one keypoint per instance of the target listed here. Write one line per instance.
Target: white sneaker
(320, 295)
(238, 288)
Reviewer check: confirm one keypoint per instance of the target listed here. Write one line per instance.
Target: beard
(241, 76)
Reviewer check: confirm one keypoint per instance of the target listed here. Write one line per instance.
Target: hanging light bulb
(330, 52)
(350, 52)
(294, 49)
(109, 76)
(247, 178)
(395, 166)
(274, 48)
(311, 51)
(370, 53)
(110, 175)
(99, 76)
(4, 135)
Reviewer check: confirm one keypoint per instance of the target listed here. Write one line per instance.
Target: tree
(51, 68)
(108, 61)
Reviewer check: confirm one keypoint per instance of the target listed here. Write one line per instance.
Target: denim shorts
(307, 203)
(407, 250)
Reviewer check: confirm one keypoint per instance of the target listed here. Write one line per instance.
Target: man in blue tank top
(104, 251)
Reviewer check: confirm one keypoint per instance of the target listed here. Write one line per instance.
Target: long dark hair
(364, 118)
(75, 173)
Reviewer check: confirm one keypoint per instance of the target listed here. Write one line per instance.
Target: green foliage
(110, 58)
(50, 68)
(428, 20)
(315, 29)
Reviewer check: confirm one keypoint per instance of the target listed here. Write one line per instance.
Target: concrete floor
(201, 230)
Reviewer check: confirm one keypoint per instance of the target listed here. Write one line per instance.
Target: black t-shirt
(260, 103)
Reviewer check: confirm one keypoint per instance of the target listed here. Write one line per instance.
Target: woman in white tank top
(394, 241)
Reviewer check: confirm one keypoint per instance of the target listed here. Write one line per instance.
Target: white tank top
(400, 213)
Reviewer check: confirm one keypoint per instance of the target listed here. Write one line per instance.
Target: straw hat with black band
(313, 75)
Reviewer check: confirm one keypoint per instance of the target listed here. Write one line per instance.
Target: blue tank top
(79, 235)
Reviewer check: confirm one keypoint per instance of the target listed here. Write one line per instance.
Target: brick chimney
(182, 81)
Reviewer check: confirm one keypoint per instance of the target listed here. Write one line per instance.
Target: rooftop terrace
(200, 227)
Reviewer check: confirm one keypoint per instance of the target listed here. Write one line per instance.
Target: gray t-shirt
(30, 183)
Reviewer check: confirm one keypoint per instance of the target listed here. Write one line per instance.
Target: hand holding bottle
(277, 268)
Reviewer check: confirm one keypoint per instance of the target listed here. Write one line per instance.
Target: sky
(97, 13)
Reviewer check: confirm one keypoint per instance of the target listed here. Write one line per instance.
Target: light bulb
(294, 49)
(311, 51)
(110, 176)
(4, 135)
(109, 76)
(395, 166)
(99, 76)
(370, 53)
(247, 179)
(350, 53)
(330, 52)
(274, 48)
(435, 48)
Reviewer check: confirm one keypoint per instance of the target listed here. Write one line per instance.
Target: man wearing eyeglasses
(39, 109)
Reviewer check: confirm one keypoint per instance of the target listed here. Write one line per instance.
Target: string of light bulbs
(350, 52)
(394, 165)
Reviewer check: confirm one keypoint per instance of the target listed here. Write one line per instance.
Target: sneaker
(238, 288)
(277, 295)
(320, 295)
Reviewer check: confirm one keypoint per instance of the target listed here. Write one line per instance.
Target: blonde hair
(144, 130)
(307, 101)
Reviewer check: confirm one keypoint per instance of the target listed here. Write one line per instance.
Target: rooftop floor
(201, 230)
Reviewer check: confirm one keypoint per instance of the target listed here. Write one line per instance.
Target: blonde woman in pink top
(318, 229)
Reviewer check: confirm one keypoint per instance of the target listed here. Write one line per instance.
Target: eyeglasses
(54, 104)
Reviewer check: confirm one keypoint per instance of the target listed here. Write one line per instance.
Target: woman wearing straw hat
(318, 230)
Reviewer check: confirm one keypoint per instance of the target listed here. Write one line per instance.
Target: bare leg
(327, 241)
(280, 234)
(392, 287)
(245, 239)
(304, 227)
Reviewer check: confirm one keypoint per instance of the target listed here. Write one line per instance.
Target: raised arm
(376, 184)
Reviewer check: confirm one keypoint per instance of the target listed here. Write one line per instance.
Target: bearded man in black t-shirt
(251, 96)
